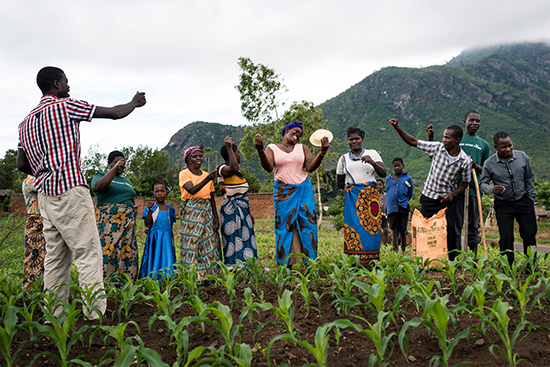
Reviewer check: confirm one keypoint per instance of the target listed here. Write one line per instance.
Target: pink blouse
(289, 167)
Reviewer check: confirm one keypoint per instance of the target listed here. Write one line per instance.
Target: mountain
(509, 85)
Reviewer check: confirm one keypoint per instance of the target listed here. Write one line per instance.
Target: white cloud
(184, 54)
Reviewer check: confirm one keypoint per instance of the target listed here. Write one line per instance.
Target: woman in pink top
(295, 214)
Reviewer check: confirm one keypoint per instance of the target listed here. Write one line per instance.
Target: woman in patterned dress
(295, 214)
(236, 221)
(35, 244)
(362, 212)
(200, 241)
(116, 218)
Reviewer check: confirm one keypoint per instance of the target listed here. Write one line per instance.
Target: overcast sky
(184, 54)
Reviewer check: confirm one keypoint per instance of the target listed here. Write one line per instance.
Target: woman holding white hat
(355, 174)
(295, 214)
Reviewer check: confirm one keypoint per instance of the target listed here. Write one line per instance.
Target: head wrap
(292, 125)
(113, 155)
(189, 152)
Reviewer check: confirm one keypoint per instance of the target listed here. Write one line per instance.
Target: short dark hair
(113, 155)
(46, 76)
(398, 160)
(469, 112)
(456, 131)
(380, 180)
(500, 135)
(225, 153)
(356, 130)
(160, 183)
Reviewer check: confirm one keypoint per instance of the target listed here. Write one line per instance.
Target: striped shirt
(233, 185)
(444, 172)
(50, 137)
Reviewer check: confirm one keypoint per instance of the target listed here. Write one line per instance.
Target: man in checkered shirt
(49, 149)
(440, 189)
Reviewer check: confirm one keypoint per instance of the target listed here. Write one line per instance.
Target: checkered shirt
(443, 176)
(50, 137)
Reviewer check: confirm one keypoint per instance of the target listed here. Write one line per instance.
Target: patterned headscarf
(189, 152)
(292, 125)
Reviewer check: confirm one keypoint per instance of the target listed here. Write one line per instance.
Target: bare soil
(353, 348)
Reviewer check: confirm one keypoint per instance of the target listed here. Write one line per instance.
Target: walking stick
(466, 219)
(480, 212)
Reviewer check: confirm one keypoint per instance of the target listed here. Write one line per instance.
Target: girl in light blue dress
(159, 254)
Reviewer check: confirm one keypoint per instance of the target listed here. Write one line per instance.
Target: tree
(145, 167)
(93, 162)
(260, 88)
(10, 177)
(542, 189)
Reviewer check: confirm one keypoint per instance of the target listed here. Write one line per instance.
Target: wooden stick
(466, 219)
(482, 225)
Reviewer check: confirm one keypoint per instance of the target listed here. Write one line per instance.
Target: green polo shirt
(120, 191)
(477, 149)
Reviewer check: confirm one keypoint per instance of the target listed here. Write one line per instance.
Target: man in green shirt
(479, 150)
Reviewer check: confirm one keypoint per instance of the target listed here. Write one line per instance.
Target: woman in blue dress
(159, 254)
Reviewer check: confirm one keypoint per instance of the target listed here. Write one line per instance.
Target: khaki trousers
(70, 230)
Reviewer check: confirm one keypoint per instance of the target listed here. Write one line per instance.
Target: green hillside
(510, 89)
(509, 85)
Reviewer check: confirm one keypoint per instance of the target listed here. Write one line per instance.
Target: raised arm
(266, 156)
(430, 132)
(310, 163)
(120, 111)
(233, 167)
(409, 139)
(193, 189)
(103, 183)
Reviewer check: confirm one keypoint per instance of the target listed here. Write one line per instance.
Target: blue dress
(159, 252)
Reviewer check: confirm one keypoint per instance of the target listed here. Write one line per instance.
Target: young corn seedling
(133, 355)
(523, 293)
(319, 350)
(10, 289)
(440, 316)
(7, 332)
(128, 295)
(27, 313)
(302, 285)
(285, 311)
(501, 325)
(88, 297)
(227, 279)
(62, 333)
(180, 336)
(376, 333)
(200, 308)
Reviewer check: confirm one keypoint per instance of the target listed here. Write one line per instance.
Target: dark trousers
(523, 211)
(473, 221)
(433, 206)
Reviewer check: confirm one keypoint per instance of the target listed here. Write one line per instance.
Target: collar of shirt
(354, 158)
(512, 157)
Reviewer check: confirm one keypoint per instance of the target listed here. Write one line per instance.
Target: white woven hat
(316, 137)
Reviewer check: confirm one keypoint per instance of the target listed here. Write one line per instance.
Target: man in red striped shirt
(49, 149)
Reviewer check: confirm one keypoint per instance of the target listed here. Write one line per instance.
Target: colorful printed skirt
(238, 238)
(35, 250)
(362, 221)
(116, 224)
(295, 220)
(200, 244)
